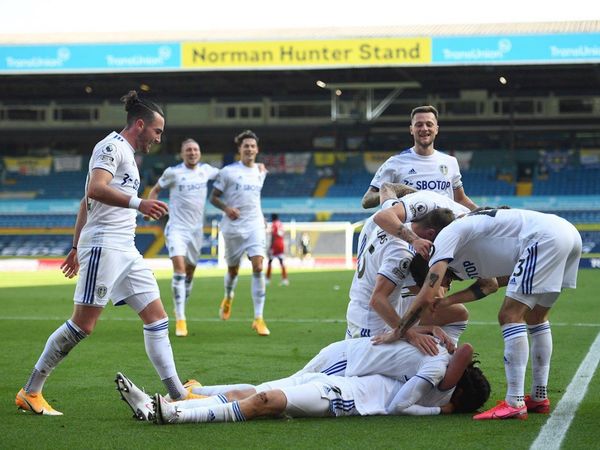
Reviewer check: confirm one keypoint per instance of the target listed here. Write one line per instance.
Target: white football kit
(438, 172)
(354, 377)
(399, 360)
(418, 204)
(187, 198)
(111, 267)
(378, 254)
(539, 251)
(241, 187)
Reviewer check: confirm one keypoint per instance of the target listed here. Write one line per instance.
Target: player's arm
(463, 199)
(405, 401)
(429, 293)
(478, 290)
(392, 220)
(462, 357)
(70, 266)
(99, 189)
(379, 301)
(154, 192)
(371, 198)
(391, 190)
(217, 201)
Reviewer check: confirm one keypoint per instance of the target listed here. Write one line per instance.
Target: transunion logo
(163, 55)
(63, 54)
(503, 47)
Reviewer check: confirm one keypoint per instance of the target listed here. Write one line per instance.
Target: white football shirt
(241, 188)
(187, 194)
(378, 254)
(487, 244)
(420, 203)
(399, 360)
(112, 226)
(438, 172)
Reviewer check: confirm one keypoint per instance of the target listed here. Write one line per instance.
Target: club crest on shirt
(444, 169)
(109, 149)
(101, 291)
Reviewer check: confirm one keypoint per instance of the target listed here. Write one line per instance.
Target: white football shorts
(121, 276)
(252, 243)
(184, 243)
(314, 395)
(547, 265)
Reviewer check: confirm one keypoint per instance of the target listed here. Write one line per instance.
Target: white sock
(229, 412)
(179, 295)
(158, 348)
(541, 352)
(258, 293)
(58, 345)
(516, 353)
(189, 283)
(220, 388)
(230, 284)
(202, 402)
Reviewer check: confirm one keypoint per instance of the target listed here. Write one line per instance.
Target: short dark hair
(246, 134)
(274, 216)
(418, 269)
(473, 390)
(437, 219)
(424, 109)
(140, 108)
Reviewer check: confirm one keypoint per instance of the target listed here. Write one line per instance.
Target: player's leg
(284, 276)
(157, 343)
(516, 353)
(331, 360)
(540, 335)
(190, 269)
(258, 295)
(271, 403)
(96, 275)
(269, 268)
(194, 252)
(233, 255)
(178, 291)
(138, 289)
(57, 347)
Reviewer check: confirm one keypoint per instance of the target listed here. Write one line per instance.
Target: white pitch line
(134, 318)
(554, 431)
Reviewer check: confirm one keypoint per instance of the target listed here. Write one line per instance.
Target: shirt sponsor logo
(432, 185)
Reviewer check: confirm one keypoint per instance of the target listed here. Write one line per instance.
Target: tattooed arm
(424, 299)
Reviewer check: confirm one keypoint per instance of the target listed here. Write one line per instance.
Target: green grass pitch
(303, 318)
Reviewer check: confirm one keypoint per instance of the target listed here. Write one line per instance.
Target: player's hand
(154, 209)
(232, 213)
(448, 408)
(444, 339)
(422, 247)
(386, 338)
(426, 343)
(70, 266)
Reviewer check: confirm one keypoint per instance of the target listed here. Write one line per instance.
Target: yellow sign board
(365, 52)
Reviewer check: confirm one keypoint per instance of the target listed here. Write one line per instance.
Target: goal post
(311, 244)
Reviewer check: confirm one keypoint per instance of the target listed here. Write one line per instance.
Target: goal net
(311, 244)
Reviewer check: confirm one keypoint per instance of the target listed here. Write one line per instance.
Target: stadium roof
(592, 26)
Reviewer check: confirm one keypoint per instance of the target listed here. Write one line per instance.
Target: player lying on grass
(429, 386)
